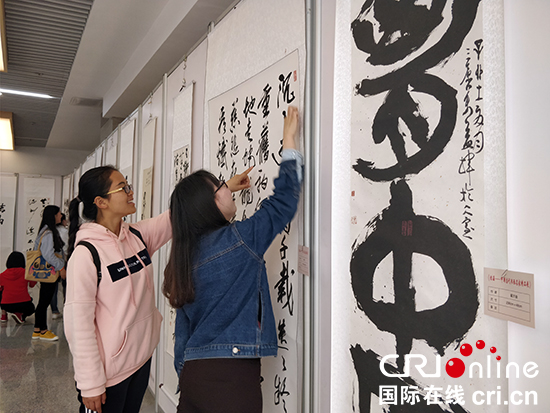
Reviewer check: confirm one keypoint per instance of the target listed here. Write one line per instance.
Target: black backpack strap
(95, 258)
(137, 234)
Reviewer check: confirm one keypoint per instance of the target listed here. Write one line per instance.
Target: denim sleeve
(289, 154)
(47, 250)
(182, 334)
(275, 212)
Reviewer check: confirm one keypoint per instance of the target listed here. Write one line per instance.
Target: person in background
(15, 297)
(216, 279)
(64, 234)
(112, 324)
(51, 247)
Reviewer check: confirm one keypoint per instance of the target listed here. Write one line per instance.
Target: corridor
(37, 376)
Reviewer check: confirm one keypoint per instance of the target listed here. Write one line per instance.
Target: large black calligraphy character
(405, 26)
(463, 16)
(400, 105)
(401, 232)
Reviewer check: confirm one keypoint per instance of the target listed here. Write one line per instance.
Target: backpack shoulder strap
(137, 234)
(95, 258)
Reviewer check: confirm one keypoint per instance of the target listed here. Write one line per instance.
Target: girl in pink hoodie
(111, 323)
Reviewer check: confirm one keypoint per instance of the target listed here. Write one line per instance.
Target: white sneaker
(55, 316)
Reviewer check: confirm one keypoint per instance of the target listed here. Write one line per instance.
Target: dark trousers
(46, 294)
(53, 303)
(27, 308)
(126, 396)
(220, 386)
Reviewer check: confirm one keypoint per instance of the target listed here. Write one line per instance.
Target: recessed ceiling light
(18, 92)
(6, 131)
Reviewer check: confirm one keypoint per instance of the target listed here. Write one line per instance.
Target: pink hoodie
(113, 329)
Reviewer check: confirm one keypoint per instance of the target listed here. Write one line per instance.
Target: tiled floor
(37, 376)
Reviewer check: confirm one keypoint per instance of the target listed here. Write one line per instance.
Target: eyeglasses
(126, 188)
(220, 186)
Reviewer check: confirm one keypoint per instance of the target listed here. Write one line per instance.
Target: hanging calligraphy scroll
(37, 194)
(246, 129)
(126, 159)
(417, 199)
(181, 136)
(146, 166)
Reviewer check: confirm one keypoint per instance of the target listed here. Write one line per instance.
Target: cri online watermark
(455, 367)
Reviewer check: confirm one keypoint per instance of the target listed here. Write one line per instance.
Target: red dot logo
(455, 367)
(498, 358)
(493, 350)
(466, 349)
(480, 344)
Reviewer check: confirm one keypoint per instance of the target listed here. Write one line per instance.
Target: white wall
(41, 161)
(528, 157)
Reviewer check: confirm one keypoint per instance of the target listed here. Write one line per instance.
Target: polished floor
(37, 376)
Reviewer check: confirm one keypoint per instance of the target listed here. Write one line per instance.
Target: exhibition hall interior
(412, 274)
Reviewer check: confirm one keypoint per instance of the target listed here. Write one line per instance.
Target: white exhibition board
(126, 158)
(89, 163)
(76, 179)
(246, 129)
(192, 71)
(111, 150)
(8, 204)
(67, 194)
(179, 167)
(251, 38)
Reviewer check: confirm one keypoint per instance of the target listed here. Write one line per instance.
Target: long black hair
(193, 213)
(95, 182)
(48, 220)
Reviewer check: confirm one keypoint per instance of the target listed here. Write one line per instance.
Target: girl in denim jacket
(216, 278)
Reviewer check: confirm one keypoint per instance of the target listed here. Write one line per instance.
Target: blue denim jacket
(232, 314)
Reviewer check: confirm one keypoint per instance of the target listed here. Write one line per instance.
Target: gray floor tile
(38, 376)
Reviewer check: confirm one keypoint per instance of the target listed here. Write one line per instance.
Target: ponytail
(74, 224)
(95, 182)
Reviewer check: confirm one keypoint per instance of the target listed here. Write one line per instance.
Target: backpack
(95, 255)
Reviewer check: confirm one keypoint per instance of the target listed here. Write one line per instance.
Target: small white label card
(510, 295)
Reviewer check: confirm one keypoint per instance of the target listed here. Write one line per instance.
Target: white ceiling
(126, 47)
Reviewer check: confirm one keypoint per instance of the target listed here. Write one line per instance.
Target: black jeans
(27, 308)
(220, 386)
(40, 315)
(126, 396)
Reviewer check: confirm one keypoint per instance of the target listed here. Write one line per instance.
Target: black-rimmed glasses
(222, 183)
(126, 188)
